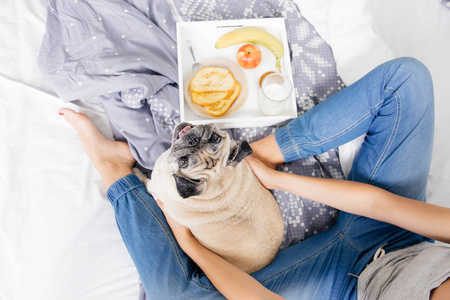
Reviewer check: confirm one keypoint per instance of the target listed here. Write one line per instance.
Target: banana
(253, 35)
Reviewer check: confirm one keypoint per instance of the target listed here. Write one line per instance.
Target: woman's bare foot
(266, 150)
(112, 159)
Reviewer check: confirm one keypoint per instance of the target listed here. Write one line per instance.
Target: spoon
(196, 66)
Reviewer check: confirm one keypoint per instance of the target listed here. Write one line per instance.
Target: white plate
(238, 75)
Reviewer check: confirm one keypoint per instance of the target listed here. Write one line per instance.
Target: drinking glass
(275, 90)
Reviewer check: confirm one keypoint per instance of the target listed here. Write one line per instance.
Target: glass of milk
(275, 90)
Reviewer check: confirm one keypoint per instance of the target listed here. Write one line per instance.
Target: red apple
(249, 56)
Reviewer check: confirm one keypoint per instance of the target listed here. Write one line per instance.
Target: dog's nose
(192, 140)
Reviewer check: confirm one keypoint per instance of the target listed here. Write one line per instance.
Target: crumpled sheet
(120, 54)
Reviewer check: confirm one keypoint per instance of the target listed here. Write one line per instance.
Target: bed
(58, 237)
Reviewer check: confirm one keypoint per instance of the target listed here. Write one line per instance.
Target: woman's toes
(76, 120)
(68, 113)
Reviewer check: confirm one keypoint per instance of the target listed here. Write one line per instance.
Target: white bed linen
(421, 29)
(58, 237)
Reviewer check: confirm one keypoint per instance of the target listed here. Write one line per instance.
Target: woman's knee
(417, 70)
(412, 79)
(416, 74)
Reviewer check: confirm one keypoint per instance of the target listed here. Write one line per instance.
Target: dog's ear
(239, 154)
(188, 187)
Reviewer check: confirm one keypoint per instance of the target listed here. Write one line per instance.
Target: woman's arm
(362, 199)
(230, 281)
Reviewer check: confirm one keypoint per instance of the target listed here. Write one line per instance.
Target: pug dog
(205, 185)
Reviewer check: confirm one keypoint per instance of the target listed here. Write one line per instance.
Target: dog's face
(199, 155)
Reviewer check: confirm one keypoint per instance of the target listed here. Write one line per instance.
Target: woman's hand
(265, 174)
(182, 234)
(230, 281)
(266, 150)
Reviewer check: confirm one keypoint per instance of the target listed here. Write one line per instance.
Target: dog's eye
(183, 162)
(215, 138)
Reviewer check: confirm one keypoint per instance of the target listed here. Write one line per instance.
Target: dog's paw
(140, 175)
(142, 178)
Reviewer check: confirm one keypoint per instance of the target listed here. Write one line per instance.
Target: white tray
(203, 36)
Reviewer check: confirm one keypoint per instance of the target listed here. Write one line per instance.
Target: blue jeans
(393, 105)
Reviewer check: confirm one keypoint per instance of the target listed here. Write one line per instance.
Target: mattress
(58, 237)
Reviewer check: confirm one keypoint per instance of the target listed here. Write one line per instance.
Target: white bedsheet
(421, 29)
(58, 237)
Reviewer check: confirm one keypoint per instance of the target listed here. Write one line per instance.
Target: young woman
(379, 246)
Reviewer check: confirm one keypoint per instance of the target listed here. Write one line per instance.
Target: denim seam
(349, 242)
(293, 143)
(375, 107)
(343, 232)
(302, 261)
(132, 187)
(339, 237)
(391, 137)
(321, 142)
(173, 246)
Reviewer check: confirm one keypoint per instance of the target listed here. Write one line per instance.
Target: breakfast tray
(203, 36)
